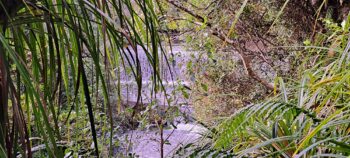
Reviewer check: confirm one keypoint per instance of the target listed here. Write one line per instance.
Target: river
(146, 143)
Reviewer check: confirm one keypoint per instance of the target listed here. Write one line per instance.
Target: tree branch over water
(236, 44)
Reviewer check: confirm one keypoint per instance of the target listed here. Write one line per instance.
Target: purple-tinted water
(172, 67)
(146, 144)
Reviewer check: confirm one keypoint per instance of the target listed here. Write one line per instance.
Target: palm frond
(48, 42)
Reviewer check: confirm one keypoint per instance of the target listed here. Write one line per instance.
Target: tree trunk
(8, 8)
(3, 99)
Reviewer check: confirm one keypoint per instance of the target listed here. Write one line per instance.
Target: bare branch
(234, 43)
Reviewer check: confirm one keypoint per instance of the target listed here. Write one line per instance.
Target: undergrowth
(305, 118)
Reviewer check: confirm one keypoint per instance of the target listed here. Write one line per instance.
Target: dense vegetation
(271, 78)
(48, 51)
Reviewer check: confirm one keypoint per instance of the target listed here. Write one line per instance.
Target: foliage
(217, 93)
(47, 48)
(309, 118)
(238, 55)
(59, 60)
(193, 151)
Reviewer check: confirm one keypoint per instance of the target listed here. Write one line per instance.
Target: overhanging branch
(235, 44)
